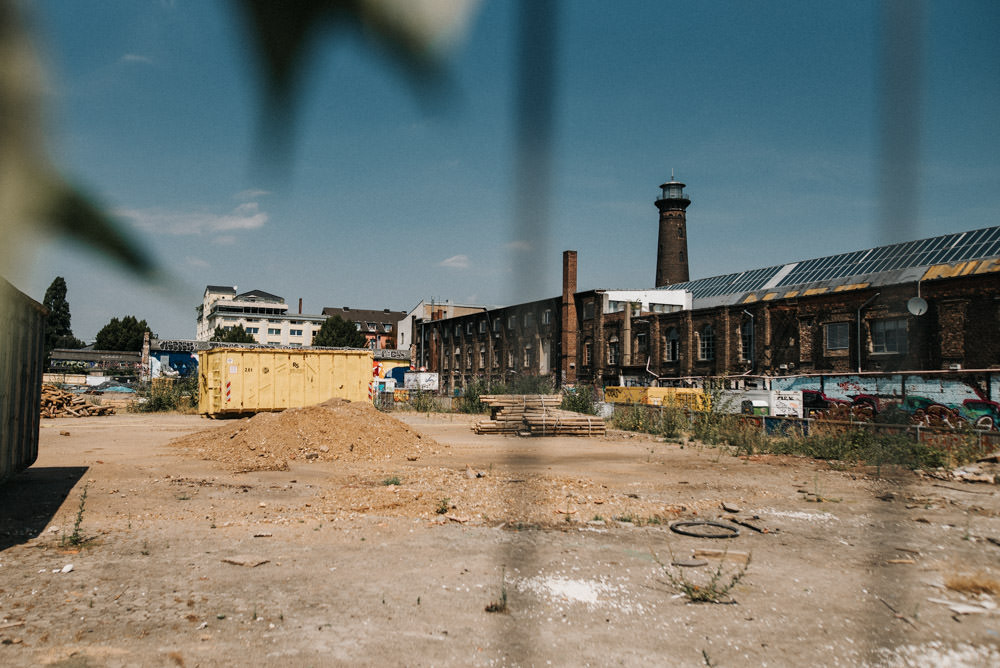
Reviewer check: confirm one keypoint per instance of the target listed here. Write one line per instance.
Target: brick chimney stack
(569, 322)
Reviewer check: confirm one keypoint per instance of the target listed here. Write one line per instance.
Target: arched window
(706, 343)
(588, 352)
(671, 346)
(613, 349)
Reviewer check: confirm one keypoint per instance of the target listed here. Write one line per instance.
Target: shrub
(180, 395)
(581, 399)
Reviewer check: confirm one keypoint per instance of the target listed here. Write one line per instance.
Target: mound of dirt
(334, 430)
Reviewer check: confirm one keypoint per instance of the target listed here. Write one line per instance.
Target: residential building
(379, 327)
(263, 315)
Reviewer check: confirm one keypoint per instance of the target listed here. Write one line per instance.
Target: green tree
(337, 332)
(57, 330)
(233, 335)
(124, 334)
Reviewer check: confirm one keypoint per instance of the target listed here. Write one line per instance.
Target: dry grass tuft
(980, 583)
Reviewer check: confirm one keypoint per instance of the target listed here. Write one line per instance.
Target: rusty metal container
(236, 381)
(22, 352)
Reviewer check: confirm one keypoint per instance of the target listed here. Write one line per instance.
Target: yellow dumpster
(686, 397)
(252, 380)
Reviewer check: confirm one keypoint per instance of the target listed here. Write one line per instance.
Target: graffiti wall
(945, 389)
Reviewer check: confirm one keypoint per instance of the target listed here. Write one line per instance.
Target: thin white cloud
(247, 216)
(455, 262)
(136, 58)
(251, 194)
(519, 245)
(224, 240)
(196, 262)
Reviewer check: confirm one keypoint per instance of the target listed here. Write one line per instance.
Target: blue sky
(769, 111)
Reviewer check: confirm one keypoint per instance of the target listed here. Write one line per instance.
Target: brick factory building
(931, 304)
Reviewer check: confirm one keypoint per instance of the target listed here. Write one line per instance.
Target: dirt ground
(183, 562)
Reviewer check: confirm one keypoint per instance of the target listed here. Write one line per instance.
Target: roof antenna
(671, 173)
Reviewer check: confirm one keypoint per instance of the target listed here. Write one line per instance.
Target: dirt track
(351, 571)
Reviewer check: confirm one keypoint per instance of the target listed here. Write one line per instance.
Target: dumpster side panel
(22, 330)
(253, 380)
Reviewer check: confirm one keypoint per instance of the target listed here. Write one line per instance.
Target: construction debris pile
(60, 403)
(334, 430)
(535, 415)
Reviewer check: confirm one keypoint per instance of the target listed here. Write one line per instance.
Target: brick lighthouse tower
(671, 252)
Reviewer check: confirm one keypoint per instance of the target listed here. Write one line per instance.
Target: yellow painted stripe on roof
(987, 266)
(936, 271)
(969, 268)
(750, 299)
(814, 291)
(769, 296)
(791, 293)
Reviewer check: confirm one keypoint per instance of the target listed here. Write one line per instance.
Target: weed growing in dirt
(715, 590)
(442, 506)
(392, 480)
(501, 604)
(76, 538)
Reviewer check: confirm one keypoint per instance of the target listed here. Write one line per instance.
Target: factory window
(746, 341)
(613, 355)
(272, 331)
(588, 310)
(496, 325)
(496, 358)
(588, 352)
(706, 343)
(468, 328)
(889, 336)
(468, 357)
(511, 322)
(510, 359)
(458, 331)
(837, 335)
(482, 326)
(641, 343)
(295, 332)
(671, 346)
(482, 357)
(253, 330)
(458, 357)
(528, 358)
(547, 317)
(529, 318)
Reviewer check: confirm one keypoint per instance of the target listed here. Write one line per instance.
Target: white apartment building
(263, 315)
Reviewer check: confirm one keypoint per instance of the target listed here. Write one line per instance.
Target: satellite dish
(917, 306)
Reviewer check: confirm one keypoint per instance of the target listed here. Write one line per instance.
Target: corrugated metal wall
(22, 332)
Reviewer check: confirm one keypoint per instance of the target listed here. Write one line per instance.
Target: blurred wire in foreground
(535, 122)
(899, 110)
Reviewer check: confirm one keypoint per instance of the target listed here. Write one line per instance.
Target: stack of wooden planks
(535, 415)
(60, 403)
